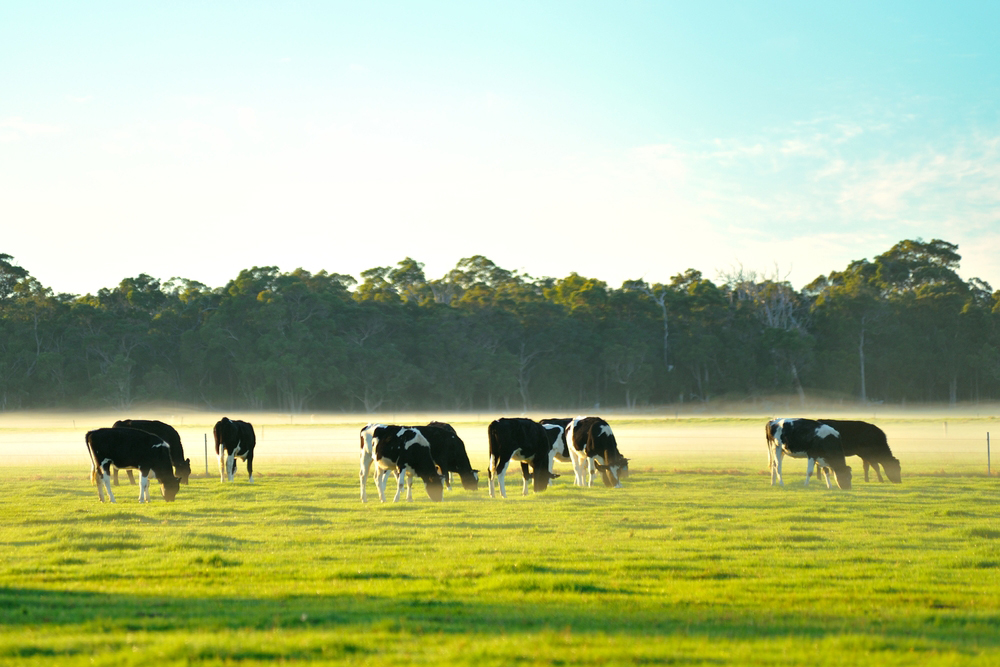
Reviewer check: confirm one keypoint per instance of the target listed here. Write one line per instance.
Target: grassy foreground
(674, 569)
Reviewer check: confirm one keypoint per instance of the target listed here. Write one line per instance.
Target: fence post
(988, 471)
(206, 454)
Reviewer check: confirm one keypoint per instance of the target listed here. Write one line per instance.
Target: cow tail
(215, 435)
(93, 460)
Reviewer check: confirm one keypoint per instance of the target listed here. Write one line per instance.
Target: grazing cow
(526, 441)
(592, 445)
(808, 439)
(868, 442)
(169, 435)
(405, 452)
(448, 452)
(130, 448)
(234, 438)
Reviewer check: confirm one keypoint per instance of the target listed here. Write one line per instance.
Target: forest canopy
(901, 327)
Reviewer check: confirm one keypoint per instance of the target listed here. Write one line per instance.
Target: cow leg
(231, 465)
(409, 485)
(877, 473)
(143, 488)
(527, 477)
(591, 471)
(779, 455)
(491, 473)
(366, 463)
(400, 481)
(380, 479)
(222, 464)
(249, 461)
(501, 477)
(115, 473)
(131, 479)
(104, 479)
(810, 463)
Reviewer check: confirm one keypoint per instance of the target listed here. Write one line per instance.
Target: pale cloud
(18, 129)
(80, 99)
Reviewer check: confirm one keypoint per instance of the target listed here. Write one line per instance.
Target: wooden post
(988, 471)
(206, 455)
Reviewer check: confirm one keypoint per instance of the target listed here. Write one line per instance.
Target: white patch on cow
(825, 431)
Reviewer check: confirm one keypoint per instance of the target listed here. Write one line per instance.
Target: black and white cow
(808, 439)
(404, 451)
(130, 448)
(868, 442)
(234, 439)
(448, 452)
(524, 440)
(592, 446)
(169, 435)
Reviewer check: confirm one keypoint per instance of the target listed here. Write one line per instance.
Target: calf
(234, 438)
(592, 445)
(521, 440)
(809, 439)
(130, 448)
(868, 442)
(169, 435)
(406, 452)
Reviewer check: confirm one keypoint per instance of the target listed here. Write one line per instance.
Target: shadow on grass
(128, 613)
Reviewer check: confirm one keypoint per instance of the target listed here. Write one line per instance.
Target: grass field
(697, 561)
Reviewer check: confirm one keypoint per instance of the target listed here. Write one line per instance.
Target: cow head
(613, 473)
(843, 477)
(169, 486)
(470, 480)
(184, 470)
(540, 478)
(435, 488)
(892, 470)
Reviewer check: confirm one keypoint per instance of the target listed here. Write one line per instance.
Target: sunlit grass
(680, 566)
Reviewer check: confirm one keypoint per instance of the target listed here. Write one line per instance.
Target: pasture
(698, 560)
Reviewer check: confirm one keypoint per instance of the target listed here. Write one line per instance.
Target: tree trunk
(861, 357)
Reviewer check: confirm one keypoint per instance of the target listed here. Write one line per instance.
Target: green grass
(694, 568)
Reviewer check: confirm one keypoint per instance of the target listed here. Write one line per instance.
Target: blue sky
(618, 140)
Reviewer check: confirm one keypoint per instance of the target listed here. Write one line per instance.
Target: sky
(618, 140)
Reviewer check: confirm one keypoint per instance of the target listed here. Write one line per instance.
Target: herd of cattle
(435, 452)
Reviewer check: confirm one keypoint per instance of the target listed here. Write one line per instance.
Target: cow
(868, 442)
(523, 440)
(404, 451)
(234, 438)
(592, 446)
(448, 452)
(130, 448)
(808, 439)
(169, 435)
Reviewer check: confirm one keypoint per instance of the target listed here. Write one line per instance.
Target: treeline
(902, 327)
